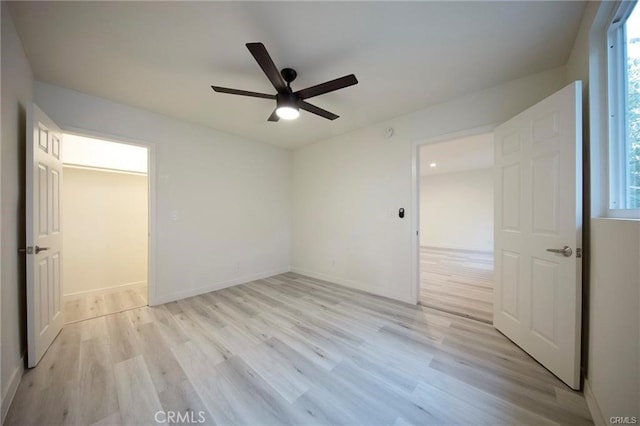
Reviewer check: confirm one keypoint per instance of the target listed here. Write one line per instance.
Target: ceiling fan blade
(318, 111)
(261, 56)
(273, 116)
(242, 92)
(329, 86)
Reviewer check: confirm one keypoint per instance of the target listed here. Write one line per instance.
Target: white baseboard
(350, 283)
(594, 407)
(159, 300)
(104, 290)
(10, 392)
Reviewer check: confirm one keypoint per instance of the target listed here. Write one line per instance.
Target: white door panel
(44, 234)
(538, 206)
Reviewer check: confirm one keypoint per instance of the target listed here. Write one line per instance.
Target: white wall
(222, 202)
(456, 210)
(105, 222)
(347, 190)
(614, 342)
(17, 90)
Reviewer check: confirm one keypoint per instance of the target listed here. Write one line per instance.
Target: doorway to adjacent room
(456, 226)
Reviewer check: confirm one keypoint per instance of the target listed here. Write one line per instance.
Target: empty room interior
(320, 213)
(456, 226)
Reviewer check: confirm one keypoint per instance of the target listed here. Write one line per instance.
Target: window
(624, 110)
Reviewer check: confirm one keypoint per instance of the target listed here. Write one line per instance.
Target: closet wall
(105, 215)
(105, 218)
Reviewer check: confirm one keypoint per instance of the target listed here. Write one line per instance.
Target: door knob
(39, 249)
(565, 251)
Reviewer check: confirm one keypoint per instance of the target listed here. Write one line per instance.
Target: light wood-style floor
(457, 281)
(104, 304)
(290, 350)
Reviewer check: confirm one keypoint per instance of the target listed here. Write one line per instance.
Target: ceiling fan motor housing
(288, 74)
(287, 100)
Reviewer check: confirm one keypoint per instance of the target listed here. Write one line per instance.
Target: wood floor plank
(282, 376)
(501, 410)
(94, 306)
(112, 420)
(167, 325)
(93, 328)
(137, 397)
(295, 350)
(123, 343)
(206, 342)
(175, 391)
(517, 393)
(96, 381)
(139, 316)
(252, 398)
(382, 402)
(164, 370)
(296, 340)
(457, 281)
(449, 408)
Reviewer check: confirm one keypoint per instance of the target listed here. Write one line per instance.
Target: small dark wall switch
(401, 213)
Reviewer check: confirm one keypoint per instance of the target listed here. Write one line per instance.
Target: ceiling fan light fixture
(287, 106)
(288, 102)
(287, 112)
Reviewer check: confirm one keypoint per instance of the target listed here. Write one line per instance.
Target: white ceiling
(163, 56)
(457, 155)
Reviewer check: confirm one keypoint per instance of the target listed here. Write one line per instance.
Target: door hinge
(578, 252)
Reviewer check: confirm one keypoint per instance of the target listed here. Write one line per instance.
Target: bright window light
(624, 104)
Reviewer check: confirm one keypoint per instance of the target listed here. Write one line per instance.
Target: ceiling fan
(288, 102)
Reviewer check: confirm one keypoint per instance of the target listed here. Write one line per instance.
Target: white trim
(594, 407)
(151, 185)
(159, 300)
(10, 392)
(415, 197)
(615, 80)
(104, 290)
(624, 213)
(598, 107)
(350, 284)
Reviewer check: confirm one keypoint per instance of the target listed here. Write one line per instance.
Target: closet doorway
(105, 217)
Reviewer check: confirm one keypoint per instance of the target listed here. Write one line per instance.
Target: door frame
(415, 196)
(151, 188)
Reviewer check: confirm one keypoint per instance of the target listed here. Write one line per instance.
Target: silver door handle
(39, 249)
(565, 251)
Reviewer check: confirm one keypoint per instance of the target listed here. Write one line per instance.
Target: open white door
(538, 229)
(44, 233)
